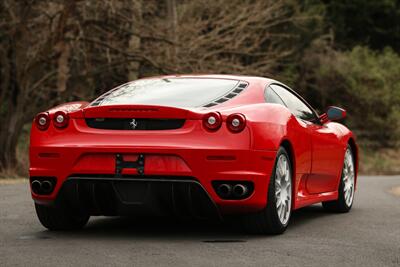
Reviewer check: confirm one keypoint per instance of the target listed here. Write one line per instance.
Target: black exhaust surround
(43, 185)
(233, 190)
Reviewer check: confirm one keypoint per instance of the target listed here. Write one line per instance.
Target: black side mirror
(333, 114)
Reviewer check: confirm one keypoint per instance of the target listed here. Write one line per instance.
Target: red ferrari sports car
(204, 146)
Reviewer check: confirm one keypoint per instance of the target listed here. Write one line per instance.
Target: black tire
(340, 205)
(60, 218)
(267, 221)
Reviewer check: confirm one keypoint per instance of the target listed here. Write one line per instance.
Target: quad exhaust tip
(36, 186)
(232, 190)
(47, 187)
(224, 190)
(239, 190)
(42, 187)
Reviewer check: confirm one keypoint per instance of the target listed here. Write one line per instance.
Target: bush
(364, 82)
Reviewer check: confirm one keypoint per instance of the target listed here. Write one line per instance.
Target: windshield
(174, 92)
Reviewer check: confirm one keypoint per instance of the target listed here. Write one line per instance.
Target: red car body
(193, 151)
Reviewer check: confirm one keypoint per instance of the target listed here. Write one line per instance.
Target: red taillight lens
(236, 122)
(212, 121)
(42, 121)
(60, 119)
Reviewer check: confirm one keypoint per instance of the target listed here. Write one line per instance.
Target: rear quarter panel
(271, 125)
(347, 137)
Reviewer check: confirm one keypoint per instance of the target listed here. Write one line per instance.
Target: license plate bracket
(121, 164)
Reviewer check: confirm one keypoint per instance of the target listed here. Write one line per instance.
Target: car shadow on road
(307, 215)
(171, 229)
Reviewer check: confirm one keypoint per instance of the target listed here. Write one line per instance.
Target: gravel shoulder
(8, 181)
(395, 191)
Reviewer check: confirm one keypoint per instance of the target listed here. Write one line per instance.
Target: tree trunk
(9, 141)
(12, 120)
(135, 39)
(63, 47)
(63, 65)
(172, 19)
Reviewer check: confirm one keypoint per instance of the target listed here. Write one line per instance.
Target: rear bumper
(203, 165)
(190, 151)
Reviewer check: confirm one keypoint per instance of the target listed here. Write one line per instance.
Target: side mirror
(333, 114)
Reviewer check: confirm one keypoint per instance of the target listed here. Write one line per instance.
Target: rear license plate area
(132, 164)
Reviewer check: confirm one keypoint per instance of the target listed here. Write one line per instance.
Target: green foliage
(374, 86)
(365, 22)
(335, 52)
(363, 81)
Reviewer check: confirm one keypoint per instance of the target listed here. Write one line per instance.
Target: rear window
(174, 92)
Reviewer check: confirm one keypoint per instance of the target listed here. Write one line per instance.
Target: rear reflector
(49, 155)
(221, 157)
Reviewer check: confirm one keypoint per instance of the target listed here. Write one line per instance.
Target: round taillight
(60, 119)
(42, 121)
(236, 122)
(212, 121)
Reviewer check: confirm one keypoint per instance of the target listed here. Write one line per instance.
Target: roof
(217, 76)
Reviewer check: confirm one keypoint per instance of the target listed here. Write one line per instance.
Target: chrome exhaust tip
(224, 190)
(36, 186)
(47, 186)
(239, 190)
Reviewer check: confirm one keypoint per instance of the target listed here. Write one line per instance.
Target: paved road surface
(367, 236)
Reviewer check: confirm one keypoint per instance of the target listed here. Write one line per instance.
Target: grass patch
(10, 174)
(379, 161)
(7, 181)
(23, 151)
(22, 169)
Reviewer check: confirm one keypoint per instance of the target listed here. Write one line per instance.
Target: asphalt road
(367, 236)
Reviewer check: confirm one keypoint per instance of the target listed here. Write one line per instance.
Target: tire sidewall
(271, 206)
(342, 199)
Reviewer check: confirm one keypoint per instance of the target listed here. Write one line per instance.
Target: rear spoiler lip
(138, 111)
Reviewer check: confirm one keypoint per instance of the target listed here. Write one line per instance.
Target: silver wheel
(274, 218)
(283, 189)
(348, 178)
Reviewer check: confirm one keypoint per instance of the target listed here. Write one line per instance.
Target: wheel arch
(287, 145)
(354, 149)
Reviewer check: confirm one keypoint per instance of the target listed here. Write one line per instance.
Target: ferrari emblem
(133, 124)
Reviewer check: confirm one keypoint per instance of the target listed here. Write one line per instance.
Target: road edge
(10, 181)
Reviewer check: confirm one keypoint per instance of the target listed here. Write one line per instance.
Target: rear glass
(174, 92)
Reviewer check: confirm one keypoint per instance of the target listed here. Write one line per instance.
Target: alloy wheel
(348, 178)
(283, 189)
